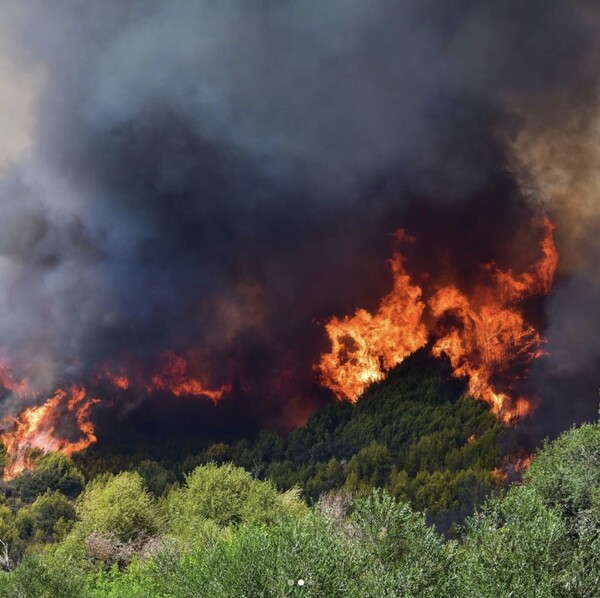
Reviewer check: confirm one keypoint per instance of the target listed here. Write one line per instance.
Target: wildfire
(37, 427)
(483, 333)
(63, 422)
(513, 468)
(171, 376)
(366, 346)
(19, 387)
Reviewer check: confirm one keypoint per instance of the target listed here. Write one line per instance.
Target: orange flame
(484, 335)
(171, 377)
(522, 463)
(512, 468)
(365, 346)
(175, 379)
(36, 427)
(20, 388)
(40, 427)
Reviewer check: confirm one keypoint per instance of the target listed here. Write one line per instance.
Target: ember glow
(482, 332)
(63, 422)
(172, 376)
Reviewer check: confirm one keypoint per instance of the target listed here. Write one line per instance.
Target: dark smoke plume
(216, 176)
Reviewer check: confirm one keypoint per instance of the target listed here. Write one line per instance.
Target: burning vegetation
(63, 422)
(482, 331)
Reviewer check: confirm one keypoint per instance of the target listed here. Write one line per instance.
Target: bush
(566, 475)
(38, 577)
(53, 471)
(408, 558)
(227, 495)
(369, 468)
(117, 505)
(516, 546)
(566, 472)
(157, 479)
(253, 560)
(48, 519)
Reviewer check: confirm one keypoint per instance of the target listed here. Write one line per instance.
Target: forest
(409, 492)
(414, 434)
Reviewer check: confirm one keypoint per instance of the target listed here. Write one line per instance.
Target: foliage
(566, 473)
(411, 434)
(157, 479)
(566, 476)
(52, 471)
(369, 468)
(48, 519)
(220, 531)
(408, 557)
(42, 576)
(224, 533)
(515, 545)
(226, 495)
(118, 505)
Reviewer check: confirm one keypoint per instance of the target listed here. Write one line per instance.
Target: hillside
(414, 434)
(222, 534)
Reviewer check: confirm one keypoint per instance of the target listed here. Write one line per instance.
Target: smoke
(214, 176)
(555, 155)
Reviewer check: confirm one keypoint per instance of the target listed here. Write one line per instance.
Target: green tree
(327, 476)
(516, 546)
(53, 471)
(566, 472)
(369, 468)
(227, 495)
(408, 557)
(48, 519)
(119, 505)
(157, 479)
(9, 532)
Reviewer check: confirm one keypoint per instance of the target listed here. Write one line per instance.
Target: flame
(42, 426)
(36, 428)
(539, 278)
(522, 463)
(513, 467)
(483, 333)
(364, 347)
(499, 475)
(18, 387)
(172, 376)
(484, 341)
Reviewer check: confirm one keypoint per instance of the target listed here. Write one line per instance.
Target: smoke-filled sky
(216, 176)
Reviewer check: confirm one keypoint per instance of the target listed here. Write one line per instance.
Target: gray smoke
(218, 174)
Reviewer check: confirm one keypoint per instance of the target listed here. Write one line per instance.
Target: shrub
(408, 557)
(53, 471)
(566, 472)
(516, 546)
(48, 519)
(117, 505)
(227, 495)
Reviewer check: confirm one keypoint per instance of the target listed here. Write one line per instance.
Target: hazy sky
(18, 89)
